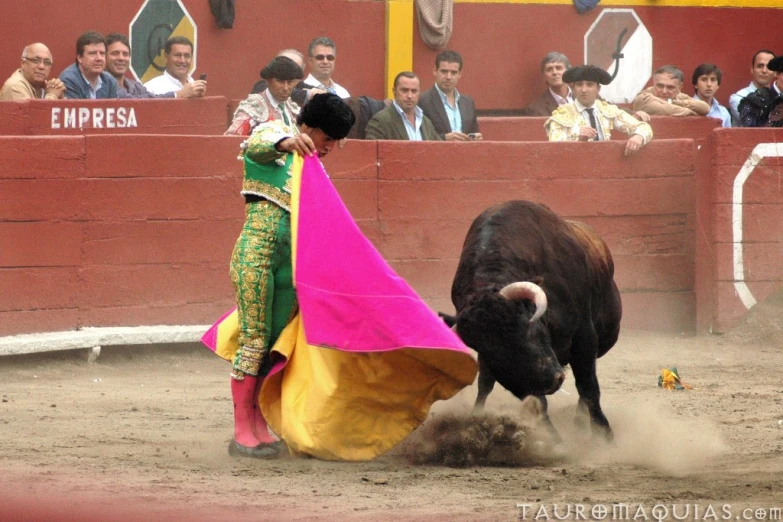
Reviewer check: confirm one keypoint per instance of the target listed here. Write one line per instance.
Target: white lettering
(726, 511)
(775, 513)
(523, 508)
(685, 515)
(70, 118)
(110, 117)
(84, 116)
(640, 513)
(659, 512)
(709, 513)
(620, 511)
(121, 119)
(541, 514)
(132, 118)
(97, 118)
(56, 117)
(564, 516)
(579, 512)
(599, 512)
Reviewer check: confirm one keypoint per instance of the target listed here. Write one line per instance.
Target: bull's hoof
(262, 451)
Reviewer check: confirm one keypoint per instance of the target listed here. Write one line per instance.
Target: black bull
(520, 260)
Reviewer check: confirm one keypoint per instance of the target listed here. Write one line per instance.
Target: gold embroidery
(278, 196)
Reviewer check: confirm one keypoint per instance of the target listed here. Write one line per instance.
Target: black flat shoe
(262, 451)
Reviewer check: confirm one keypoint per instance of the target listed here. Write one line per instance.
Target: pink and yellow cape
(365, 358)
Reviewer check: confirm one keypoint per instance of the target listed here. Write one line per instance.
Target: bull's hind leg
(590, 395)
(486, 381)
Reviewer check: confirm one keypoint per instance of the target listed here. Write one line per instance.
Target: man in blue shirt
(86, 79)
(762, 78)
(453, 114)
(706, 82)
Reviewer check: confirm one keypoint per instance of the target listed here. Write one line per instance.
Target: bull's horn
(527, 290)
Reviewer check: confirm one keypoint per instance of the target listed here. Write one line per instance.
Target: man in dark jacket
(403, 119)
(86, 78)
(558, 93)
(453, 114)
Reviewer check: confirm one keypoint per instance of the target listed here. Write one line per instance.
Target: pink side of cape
(350, 298)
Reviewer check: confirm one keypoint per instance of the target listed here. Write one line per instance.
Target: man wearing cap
(282, 75)
(260, 269)
(591, 119)
(665, 96)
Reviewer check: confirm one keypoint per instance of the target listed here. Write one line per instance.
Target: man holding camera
(452, 114)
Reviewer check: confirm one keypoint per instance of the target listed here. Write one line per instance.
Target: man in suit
(86, 78)
(403, 119)
(558, 93)
(453, 114)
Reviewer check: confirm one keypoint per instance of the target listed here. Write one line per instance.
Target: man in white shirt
(179, 58)
(321, 56)
(762, 77)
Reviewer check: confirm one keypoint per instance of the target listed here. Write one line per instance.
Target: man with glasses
(320, 57)
(179, 58)
(31, 80)
(86, 79)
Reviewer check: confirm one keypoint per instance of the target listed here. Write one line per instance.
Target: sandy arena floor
(141, 434)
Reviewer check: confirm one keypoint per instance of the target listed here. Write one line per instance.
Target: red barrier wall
(202, 116)
(502, 43)
(89, 240)
(747, 241)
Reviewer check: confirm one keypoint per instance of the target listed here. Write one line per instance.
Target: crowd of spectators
(441, 112)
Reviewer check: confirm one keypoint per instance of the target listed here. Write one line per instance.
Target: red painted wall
(762, 223)
(502, 43)
(92, 241)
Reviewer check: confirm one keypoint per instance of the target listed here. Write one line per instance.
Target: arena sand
(142, 434)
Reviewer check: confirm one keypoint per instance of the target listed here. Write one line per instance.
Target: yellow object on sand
(670, 380)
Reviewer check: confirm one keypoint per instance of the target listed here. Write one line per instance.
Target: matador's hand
(301, 144)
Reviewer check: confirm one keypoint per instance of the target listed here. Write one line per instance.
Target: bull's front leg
(486, 381)
(590, 395)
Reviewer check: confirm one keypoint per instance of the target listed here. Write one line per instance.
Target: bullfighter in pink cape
(329, 345)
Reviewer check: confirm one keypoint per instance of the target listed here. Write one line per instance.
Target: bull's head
(504, 328)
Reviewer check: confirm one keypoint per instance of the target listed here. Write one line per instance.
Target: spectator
(179, 58)
(86, 78)
(321, 56)
(452, 114)
(665, 97)
(31, 80)
(282, 74)
(558, 93)
(589, 119)
(117, 61)
(403, 119)
(762, 78)
(776, 107)
(762, 106)
(706, 82)
(302, 92)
